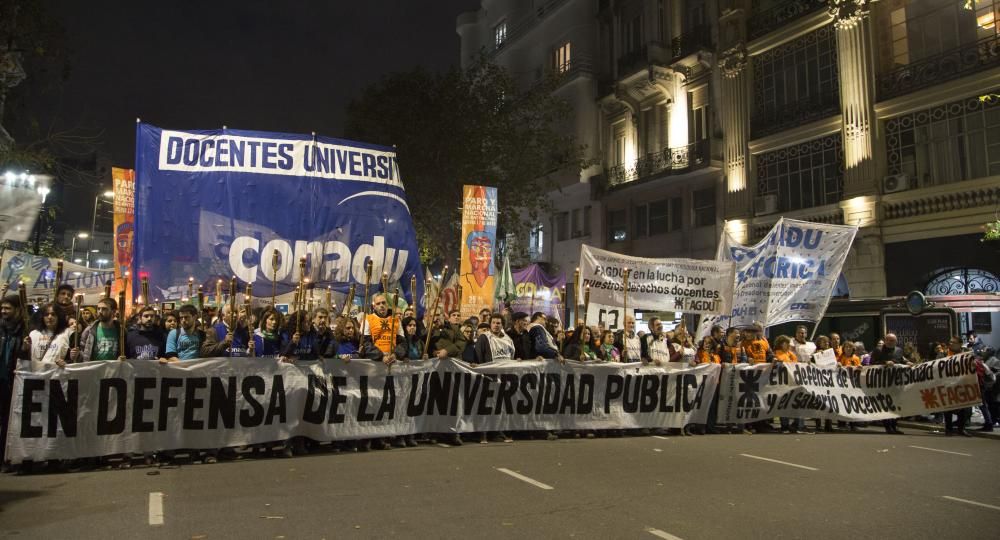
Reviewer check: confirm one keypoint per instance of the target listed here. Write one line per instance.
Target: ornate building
(731, 113)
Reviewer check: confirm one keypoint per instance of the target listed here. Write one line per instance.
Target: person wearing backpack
(987, 380)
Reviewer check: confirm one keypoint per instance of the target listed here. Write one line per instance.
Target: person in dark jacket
(449, 340)
(543, 345)
(145, 341)
(312, 340)
(518, 333)
(267, 338)
(12, 332)
(889, 354)
(410, 346)
(225, 340)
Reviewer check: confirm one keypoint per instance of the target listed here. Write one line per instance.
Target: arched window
(962, 281)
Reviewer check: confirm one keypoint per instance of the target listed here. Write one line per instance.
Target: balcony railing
(775, 118)
(522, 26)
(699, 37)
(959, 62)
(762, 22)
(677, 160)
(631, 61)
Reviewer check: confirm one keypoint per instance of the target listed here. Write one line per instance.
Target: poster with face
(479, 233)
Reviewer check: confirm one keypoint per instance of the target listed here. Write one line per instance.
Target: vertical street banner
(479, 240)
(788, 276)
(123, 182)
(219, 203)
(685, 285)
(538, 291)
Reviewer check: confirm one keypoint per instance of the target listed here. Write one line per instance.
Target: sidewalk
(973, 428)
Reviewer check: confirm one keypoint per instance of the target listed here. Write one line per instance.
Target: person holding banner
(267, 336)
(64, 297)
(449, 341)
(145, 341)
(628, 343)
(581, 346)
(379, 326)
(223, 339)
(48, 343)
(12, 333)
(184, 342)
(657, 348)
(708, 354)
(802, 347)
(608, 352)
(543, 345)
(518, 333)
(889, 354)
(784, 353)
(731, 352)
(494, 346)
(99, 341)
(757, 350)
(314, 342)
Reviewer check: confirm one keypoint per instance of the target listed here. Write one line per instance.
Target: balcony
(772, 119)
(959, 62)
(671, 161)
(631, 62)
(698, 38)
(762, 22)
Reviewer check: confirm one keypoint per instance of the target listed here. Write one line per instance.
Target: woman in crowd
(88, 317)
(823, 343)
(910, 353)
(783, 353)
(608, 351)
(410, 346)
(48, 343)
(267, 338)
(732, 351)
(580, 346)
(708, 353)
(169, 321)
(863, 354)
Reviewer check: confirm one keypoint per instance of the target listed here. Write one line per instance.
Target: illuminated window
(561, 58)
(925, 28)
(500, 34)
(617, 226)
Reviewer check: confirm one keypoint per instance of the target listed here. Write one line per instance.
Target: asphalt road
(866, 485)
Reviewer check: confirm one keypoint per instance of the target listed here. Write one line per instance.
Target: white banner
(749, 393)
(685, 285)
(613, 318)
(39, 276)
(106, 408)
(788, 276)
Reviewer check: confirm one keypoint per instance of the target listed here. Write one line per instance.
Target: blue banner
(216, 204)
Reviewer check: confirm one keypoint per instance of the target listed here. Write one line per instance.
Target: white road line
(661, 534)
(156, 508)
(966, 501)
(660, 437)
(942, 451)
(443, 445)
(657, 450)
(781, 462)
(523, 478)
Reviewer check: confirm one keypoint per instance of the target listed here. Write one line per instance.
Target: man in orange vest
(379, 326)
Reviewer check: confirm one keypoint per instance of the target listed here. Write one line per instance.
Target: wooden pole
(368, 282)
(274, 275)
(625, 314)
(394, 318)
(75, 338)
(348, 302)
(59, 274)
(190, 288)
(576, 296)
(427, 341)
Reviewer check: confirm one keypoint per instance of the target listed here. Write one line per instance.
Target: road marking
(966, 501)
(156, 508)
(661, 534)
(661, 437)
(781, 462)
(443, 445)
(523, 478)
(942, 451)
(657, 450)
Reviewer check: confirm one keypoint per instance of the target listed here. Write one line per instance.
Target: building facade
(712, 114)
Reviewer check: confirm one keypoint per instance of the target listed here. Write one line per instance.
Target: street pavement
(816, 486)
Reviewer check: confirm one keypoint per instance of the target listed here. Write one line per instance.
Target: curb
(940, 429)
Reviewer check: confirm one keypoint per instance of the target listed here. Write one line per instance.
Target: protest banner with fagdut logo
(106, 408)
(749, 393)
(686, 285)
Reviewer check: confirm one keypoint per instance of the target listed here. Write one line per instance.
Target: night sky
(290, 66)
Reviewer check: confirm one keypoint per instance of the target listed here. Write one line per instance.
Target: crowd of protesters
(53, 337)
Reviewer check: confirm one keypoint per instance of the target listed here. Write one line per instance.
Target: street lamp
(72, 249)
(101, 263)
(93, 221)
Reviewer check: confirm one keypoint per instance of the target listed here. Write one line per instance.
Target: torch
(59, 273)
(201, 302)
(274, 275)
(232, 304)
(121, 320)
(427, 341)
(75, 338)
(329, 298)
(144, 290)
(625, 313)
(107, 289)
(190, 288)
(368, 282)
(348, 302)
(22, 294)
(248, 305)
(394, 320)
(576, 291)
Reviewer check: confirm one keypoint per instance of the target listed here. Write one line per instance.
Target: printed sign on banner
(825, 358)
(479, 240)
(104, 408)
(611, 317)
(749, 393)
(216, 204)
(686, 285)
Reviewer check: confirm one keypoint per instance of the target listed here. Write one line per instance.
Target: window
(948, 143)
(704, 207)
(796, 81)
(500, 34)
(562, 226)
(619, 150)
(924, 28)
(698, 114)
(658, 217)
(561, 58)
(632, 35)
(641, 221)
(586, 221)
(617, 226)
(536, 242)
(575, 220)
(804, 175)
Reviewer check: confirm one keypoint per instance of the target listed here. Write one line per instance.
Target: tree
(468, 127)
